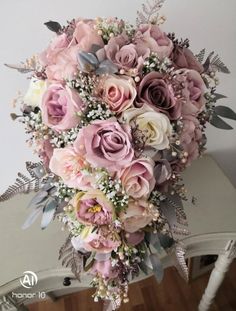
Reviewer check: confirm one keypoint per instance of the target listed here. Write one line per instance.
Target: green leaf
(53, 26)
(157, 267)
(225, 112)
(48, 213)
(219, 123)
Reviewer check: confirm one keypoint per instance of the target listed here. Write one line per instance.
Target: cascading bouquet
(116, 113)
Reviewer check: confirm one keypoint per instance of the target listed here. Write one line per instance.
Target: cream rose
(118, 92)
(34, 94)
(154, 125)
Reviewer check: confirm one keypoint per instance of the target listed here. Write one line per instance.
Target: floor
(173, 294)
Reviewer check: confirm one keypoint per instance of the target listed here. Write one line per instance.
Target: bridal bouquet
(116, 112)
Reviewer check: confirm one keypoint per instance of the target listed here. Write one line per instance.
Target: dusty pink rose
(68, 164)
(157, 41)
(184, 58)
(59, 107)
(93, 208)
(136, 216)
(104, 268)
(194, 93)
(157, 93)
(106, 144)
(118, 92)
(96, 242)
(138, 178)
(85, 35)
(127, 56)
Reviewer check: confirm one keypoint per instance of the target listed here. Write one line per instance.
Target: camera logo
(29, 279)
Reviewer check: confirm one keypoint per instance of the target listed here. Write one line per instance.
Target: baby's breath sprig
(64, 138)
(64, 193)
(95, 110)
(114, 192)
(154, 63)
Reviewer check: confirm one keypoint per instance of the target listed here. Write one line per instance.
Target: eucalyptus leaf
(31, 218)
(157, 267)
(38, 199)
(219, 123)
(53, 26)
(219, 96)
(48, 213)
(225, 112)
(106, 67)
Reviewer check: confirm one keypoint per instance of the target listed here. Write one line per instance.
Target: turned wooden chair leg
(217, 275)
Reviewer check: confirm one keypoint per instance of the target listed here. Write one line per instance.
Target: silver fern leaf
(71, 258)
(215, 64)
(149, 13)
(20, 67)
(25, 184)
(200, 56)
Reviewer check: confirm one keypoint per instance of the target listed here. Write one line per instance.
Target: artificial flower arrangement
(116, 112)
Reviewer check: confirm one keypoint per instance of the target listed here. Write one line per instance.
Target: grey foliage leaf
(53, 26)
(106, 67)
(71, 258)
(20, 68)
(23, 183)
(32, 217)
(219, 123)
(38, 199)
(165, 240)
(144, 268)
(218, 65)
(48, 212)
(225, 112)
(219, 96)
(157, 267)
(88, 62)
(155, 242)
(200, 56)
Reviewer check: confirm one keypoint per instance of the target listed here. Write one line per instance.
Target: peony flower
(154, 125)
(104, 268)
(68, 164)
(106, 144)
(85, 35)
(156, 92)
(136, 216)
(127, 56)
(191, 137)
(96, 242)
(183, 57)
(59, 107)
(34, 95)
(118, 92)
(153, 38)
(93, 208)
(138, 178)
(194, 92)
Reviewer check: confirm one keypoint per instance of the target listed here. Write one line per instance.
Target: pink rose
(183, 57)
(106, 144)
(135, 238)
(85, 35)
(127, 56)
(194, 92)
(138, 178)
(59, 107)
(68, 164)
(105, 269)
(93, 208)
(118, 92)
(96, 242)
(136, 216)
(153, 38)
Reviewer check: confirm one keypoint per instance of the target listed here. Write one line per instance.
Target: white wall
(207, 23)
